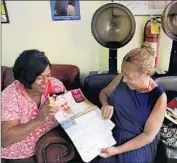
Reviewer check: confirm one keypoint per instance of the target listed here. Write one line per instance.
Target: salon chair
(93, 84)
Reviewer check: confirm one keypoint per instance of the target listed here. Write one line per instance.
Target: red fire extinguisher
(152, 36)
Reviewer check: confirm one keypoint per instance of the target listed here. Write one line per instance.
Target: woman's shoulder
(157, 91)
(156, 88)
(10, 89)
(56, 81)
(58, 85)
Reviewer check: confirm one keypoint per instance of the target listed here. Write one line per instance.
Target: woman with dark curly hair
(26, 110)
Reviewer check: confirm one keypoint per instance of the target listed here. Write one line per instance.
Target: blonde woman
(137, 105)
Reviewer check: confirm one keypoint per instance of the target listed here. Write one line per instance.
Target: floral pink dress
(16, 105)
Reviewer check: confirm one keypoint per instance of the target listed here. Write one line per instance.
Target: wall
(65, 42)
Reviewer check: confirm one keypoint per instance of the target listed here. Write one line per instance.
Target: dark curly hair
(29, 65)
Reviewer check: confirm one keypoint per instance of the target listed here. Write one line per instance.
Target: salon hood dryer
(113, 26)
(169, 25)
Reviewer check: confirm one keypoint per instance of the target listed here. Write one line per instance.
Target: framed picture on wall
(145, 7)
(65, 10)
(4, 13)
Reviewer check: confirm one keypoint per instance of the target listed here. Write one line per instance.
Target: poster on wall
(145, 7)
(4, 14)
(65, 10)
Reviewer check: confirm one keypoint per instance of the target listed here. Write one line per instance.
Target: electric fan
(113, 26)
(169, 25)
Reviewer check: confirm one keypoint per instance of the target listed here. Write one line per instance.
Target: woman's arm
(151, 128)
(106, 92)
(13, 132)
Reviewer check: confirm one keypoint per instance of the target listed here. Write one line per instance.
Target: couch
(55, 146)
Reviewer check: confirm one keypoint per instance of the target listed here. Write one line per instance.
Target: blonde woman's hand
(107, 111)
(108, 152)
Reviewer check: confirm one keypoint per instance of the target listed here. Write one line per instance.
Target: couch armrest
(52, 147)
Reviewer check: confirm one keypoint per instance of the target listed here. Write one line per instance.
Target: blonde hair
(143, 57)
